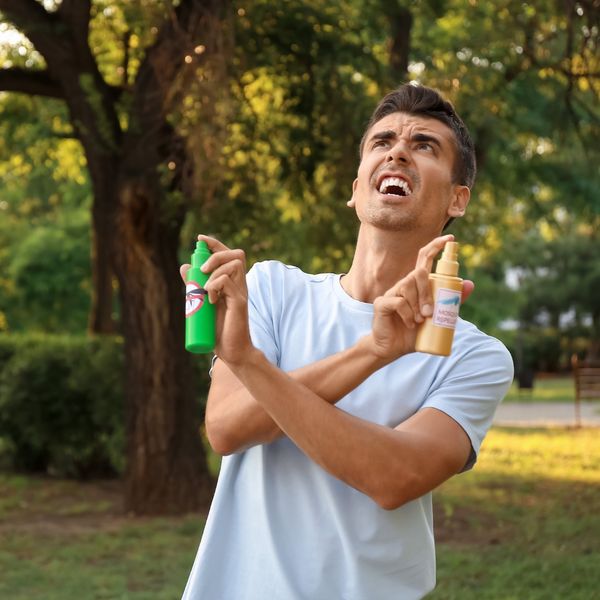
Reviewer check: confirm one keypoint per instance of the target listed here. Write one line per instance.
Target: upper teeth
(394, 181)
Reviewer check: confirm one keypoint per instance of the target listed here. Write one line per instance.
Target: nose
(399, 152)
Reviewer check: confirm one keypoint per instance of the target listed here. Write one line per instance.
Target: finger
(406, 313)
(223, 257)
(467, 290)
(215, 289)
(224, 288)
(424, 290)
(407, 289)
(430, 251)
(394, 305)
(183, 269)
(214, 245)
(234, 269)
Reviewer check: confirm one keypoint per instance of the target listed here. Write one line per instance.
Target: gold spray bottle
(436, 333)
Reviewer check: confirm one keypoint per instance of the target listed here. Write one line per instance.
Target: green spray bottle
(200, 315)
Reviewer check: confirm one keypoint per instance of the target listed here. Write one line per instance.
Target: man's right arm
(235, 421)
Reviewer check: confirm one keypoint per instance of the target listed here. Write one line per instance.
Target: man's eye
(425, 146)
(378, 143)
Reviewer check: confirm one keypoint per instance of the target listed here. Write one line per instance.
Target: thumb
(468, 287)
(183, 269)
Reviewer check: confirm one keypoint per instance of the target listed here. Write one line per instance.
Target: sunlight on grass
(566, 454)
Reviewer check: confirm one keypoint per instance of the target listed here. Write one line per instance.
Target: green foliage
(61, 404)
(46, 195)
(49, 271)
(556, 303)
(273, 123)
(303, 83)
(559, 274)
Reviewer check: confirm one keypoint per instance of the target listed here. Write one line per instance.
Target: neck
(381, 259)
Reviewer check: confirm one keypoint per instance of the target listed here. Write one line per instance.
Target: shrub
(61, 404)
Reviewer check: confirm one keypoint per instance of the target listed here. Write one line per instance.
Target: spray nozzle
(448, 264)
(201, 254)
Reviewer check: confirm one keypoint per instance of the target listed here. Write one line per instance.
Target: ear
(459, 202)
(352, 202)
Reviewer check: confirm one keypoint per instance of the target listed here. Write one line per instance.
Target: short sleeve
(471, 389)
(261, 306)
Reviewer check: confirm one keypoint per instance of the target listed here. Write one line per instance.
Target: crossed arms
(251, 401)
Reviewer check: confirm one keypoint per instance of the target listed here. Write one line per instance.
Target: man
(336, 431)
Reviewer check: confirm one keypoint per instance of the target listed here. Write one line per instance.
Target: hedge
(61, 404)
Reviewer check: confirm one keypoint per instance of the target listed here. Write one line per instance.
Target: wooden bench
(587, 382)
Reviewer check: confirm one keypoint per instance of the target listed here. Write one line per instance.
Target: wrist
(368, 350)
(249, 359)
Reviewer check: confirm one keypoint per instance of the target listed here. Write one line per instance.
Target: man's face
(404, 179)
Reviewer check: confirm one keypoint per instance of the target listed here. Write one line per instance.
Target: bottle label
(194, 298)
(446, 308)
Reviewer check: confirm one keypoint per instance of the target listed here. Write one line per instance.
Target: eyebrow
(389, 134)
(424, 137)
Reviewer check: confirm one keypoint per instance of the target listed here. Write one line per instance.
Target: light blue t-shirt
(280, 527)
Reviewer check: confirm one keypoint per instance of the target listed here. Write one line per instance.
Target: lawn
(545, 389)
(523, 525)
(66, 541)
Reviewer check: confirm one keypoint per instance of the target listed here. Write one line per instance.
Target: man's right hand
(227, 289)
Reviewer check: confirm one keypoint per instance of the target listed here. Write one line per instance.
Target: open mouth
(394, 186)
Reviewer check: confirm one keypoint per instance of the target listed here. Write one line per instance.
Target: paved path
(534, 414)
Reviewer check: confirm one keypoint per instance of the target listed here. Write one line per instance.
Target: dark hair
(427, 102)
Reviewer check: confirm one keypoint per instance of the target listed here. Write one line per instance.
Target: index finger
(430, 251)
(214, 245)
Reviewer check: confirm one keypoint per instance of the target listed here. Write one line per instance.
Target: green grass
(548, 389)
(63, 540)
(523, 525)
(146, 560)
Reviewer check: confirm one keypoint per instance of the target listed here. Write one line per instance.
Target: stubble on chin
(389, 219)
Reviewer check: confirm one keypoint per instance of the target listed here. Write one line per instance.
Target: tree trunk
(166, 462)
(400, 20)
(101, 319)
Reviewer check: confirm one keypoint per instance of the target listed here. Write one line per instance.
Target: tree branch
(33, 20)
(27, 81)
(161, 81)
(25, 11)
(76, 14)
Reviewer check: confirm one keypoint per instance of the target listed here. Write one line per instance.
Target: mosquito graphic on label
(194, 297)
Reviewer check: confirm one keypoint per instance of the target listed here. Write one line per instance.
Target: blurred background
(129, 126)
